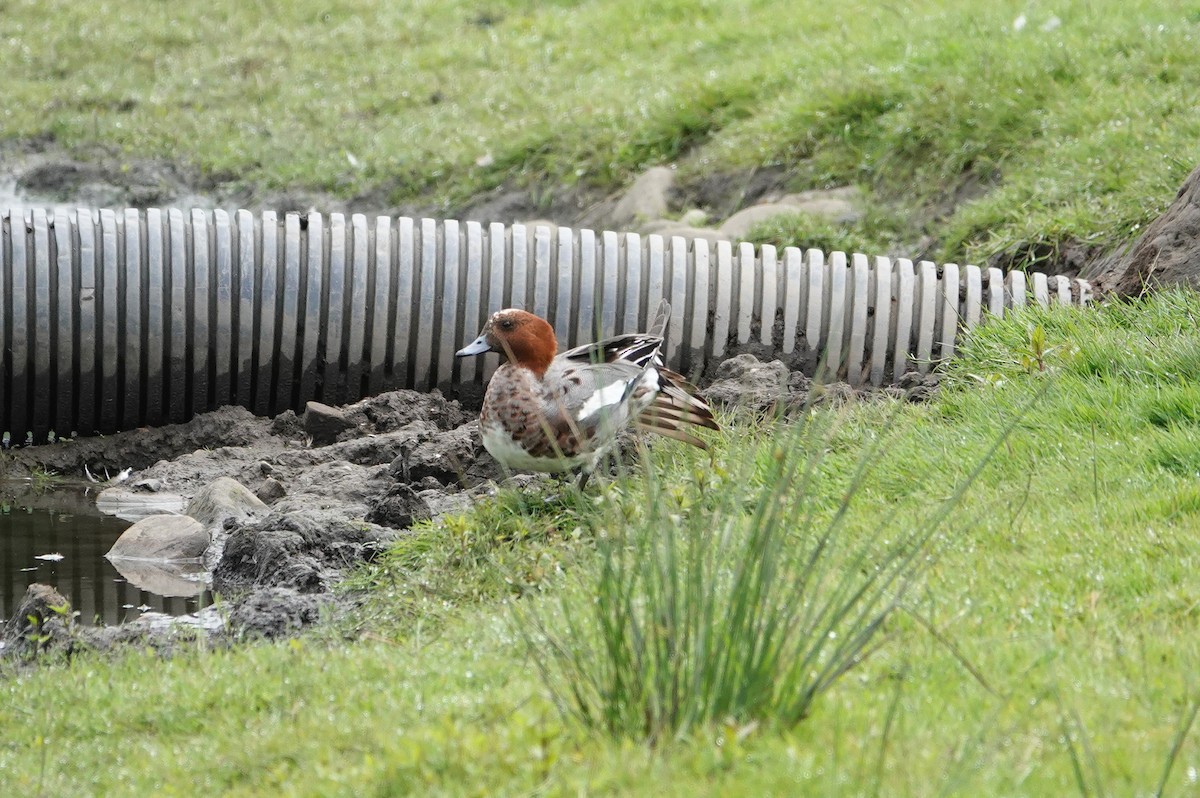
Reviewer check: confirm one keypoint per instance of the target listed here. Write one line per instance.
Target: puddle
(58, 538)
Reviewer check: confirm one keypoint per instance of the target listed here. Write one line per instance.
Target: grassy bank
(1048, 647)
(1077, 124)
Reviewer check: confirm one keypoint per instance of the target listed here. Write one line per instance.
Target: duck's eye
(507, 324)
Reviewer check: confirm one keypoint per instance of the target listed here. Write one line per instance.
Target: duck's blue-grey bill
(476, 347)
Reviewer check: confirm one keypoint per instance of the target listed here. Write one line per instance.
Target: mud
(40, 172)
(340, 483)
(403, 457)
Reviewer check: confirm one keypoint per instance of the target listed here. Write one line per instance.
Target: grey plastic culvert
(119, 319)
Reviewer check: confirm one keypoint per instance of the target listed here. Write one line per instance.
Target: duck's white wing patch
(608, 396)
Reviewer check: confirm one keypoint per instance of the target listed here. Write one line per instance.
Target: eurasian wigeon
(549, 413)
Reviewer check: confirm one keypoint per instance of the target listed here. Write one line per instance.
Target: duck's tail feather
(662, 315)
(674, 407)
(673, 432)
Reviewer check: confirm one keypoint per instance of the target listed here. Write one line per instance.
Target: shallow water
(37, 527)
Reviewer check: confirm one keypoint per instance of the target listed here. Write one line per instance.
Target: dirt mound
(1167, 254)
(141, 448)
(394, 459)
(275, 612)
(304, 551)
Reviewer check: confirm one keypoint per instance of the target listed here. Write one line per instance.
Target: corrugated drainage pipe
(119, 319)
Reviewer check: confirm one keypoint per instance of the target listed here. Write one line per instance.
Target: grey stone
(741, 223)
(835, 210)
(271, 491)
(162, 537)
(225, 498)
(324, 423)
(645, 199)
(667, 228)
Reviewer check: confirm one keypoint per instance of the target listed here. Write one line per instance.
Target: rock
(1167, 254)
(645, 199)
(164, 578)
(271, 491)
(275, 612)
(741, 223)
(324, 423)
(694, 217)
(667, 228)
(162, 537)
(745, 381)
(399, 508)
(42, 619)
(301, 550)
(225, 498)
(838, 211)
(839, 205)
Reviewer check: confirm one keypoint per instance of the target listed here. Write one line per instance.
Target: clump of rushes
(732, 597)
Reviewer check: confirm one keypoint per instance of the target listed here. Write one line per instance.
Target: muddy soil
(339, 483)
(39, 172)
(42, 174)
(334, 500)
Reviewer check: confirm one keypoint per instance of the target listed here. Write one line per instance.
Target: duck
(556, 413)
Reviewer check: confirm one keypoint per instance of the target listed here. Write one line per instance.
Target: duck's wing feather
(641, 349)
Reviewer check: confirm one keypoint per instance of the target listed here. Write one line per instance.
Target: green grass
(1048, 648)
(1078, 133)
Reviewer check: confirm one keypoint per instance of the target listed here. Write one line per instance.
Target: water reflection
(34, 525)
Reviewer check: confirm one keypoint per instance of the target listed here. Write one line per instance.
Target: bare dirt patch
(403, 456)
